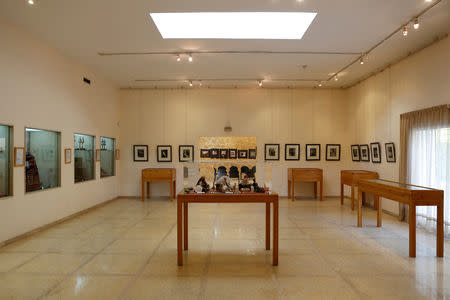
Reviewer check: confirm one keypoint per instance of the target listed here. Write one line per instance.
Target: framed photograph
(271, 151)
(333, 152)
(375, 149)
(312, 152)
(355, 152)
(242, 154)
(365, 152)
(117, 154)
(186, 153)
(164, 153)
(214, 153)
(223, 153)
(19, 156)
(98, 155)
(204, 153)
(232, 153)
(140, 152)
(292, 152)
(67, 156)
(390, 152)
(252, 153)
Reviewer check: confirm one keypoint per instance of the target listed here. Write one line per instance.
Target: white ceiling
(83, 28)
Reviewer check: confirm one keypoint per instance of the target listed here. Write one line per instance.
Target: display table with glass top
(305, 175)
(182, 215)
(159, 175)
(352, 178)
(411, 195)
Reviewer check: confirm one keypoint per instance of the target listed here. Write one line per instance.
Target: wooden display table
(159, 175)
(407, 194)
(184, 200)
(351, 178)
(305, 175)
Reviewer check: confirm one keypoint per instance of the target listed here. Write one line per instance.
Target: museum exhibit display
(84, 160)
(164, 153)
(390, 152)
(375, 150)
(292, 152)
(43, 157)
(5, 160)
(352, 178)
(140, 153)
(271, 151)
(312, 152)
(333, 152)
(305, 175)
(107, 159)
(186, 153)
(355, 153)
(158, 175)
(365, 152)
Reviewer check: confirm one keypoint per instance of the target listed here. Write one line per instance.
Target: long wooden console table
(305, 175)
(182, 215)
(407, 194)
(352, 178)
(159, 175)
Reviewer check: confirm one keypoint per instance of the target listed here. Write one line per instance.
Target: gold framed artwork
(19, 156)
(67, 156)
(98, 155)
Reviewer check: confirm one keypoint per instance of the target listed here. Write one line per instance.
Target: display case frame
(11, 160)
(94, 153)
(113, 160)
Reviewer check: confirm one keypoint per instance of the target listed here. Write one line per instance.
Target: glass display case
(42, 161)
(5, 160)
(107, 160)
(84, 155)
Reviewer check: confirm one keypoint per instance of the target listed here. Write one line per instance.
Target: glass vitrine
(42, 161)
(5, 161)
(84, 155)
(107, 161)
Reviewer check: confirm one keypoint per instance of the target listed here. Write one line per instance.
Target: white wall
(420, 81)
(181, 116)
(41, 88)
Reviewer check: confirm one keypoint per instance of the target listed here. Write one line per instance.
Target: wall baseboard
(44, 227)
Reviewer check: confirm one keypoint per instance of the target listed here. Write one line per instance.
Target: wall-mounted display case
(43, 159)
(107, 160)
(5, 160)
(84, 157)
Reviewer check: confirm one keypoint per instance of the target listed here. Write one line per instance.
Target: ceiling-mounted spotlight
(190, 83)
(416, 24)
(336, 78)
(190, 58)
(31, 2)
(361, 60)
(320, 84)
(200, 83)
(178, 58)
(260, 83)
(405, 31)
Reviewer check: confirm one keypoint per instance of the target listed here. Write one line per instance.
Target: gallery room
(277, 149)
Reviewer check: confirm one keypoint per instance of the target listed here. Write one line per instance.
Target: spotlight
(320, 84)
(416, 24)
(31, 2)
(428, 0)
(200, 83)
(336, 78)
(178, 58)
(190, 58)
(361, 60)
(190, 83)
(260, 83)
(405, 31)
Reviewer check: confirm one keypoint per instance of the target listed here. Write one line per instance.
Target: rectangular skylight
(233, 25)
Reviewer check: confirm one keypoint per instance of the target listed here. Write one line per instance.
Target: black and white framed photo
(375, 149)
(186, 153)
(252, 153)
(390, 152)
(333, 152)
(164, 153)
(204, 153)
(312, 152)
(355, 153)
(292, 152)
(271, 151)
(214, 153)
(242, 154)
(140, 152)
(364, 152)
(232, 153)
(223, 153)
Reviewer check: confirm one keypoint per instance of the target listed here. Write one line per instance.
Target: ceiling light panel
(233, 25)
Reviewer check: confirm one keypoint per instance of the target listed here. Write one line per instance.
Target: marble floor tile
(54, 263)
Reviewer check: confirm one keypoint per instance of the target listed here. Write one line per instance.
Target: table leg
(363, 198)
(179, 233)
(440, 230)
(377, 200)
(292, 186)
(321, 190)
(289, 189)
(315, 190)
(148, 190)
(185, 226)
(143, 190)
(267, 225)
(359, 208)
(171, 191)
(174, 189)
(412, 231)
(275, 232)
(353, 197)
(342, 194)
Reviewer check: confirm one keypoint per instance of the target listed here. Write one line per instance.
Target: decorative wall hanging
(355, 152)
(333, 152)
(365, 152)
(232, 153)
(376, 152)
(214, 153)
(117, 154)
(272, 151)
(390, 152)
(19, 156)
(67, 156)
(164, 153)
(140, 153)
(242, 154)
(186, 153)
(312, 152)
(98, 155)
(223, 153)
(292, 152)
(204, 153)
(252, 153)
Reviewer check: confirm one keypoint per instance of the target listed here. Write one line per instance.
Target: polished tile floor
(127, 250)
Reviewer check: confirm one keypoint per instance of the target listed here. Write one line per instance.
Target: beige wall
(41, 88)
(420, 81)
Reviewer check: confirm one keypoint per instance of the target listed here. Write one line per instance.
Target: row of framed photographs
(364, 153)
(163, 153)
(292, 152)
(228, 153)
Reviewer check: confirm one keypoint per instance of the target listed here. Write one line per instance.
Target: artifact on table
(203, 184)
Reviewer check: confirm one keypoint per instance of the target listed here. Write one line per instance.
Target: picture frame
(232, 153)
(390, 152)
(271, 151)
(117, 154)
(204, 153)
(223, 153)
(292, 152)
(364, 152)
(98, 155)
(140, 153)
(312, 152)
(252, 153)
(19, 156)
(333, 152)
(356, 154)
(375, 150)
(67, 156)
(214, 153)
(164, 153)
(242, 154)
(186, 153)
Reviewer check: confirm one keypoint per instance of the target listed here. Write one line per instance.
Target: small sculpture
(223, 184)
(203, 184)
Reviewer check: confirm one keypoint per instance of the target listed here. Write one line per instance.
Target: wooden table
(159, 175)
(351, 178)
(407, 194)
(184, 200)
(305, 175)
